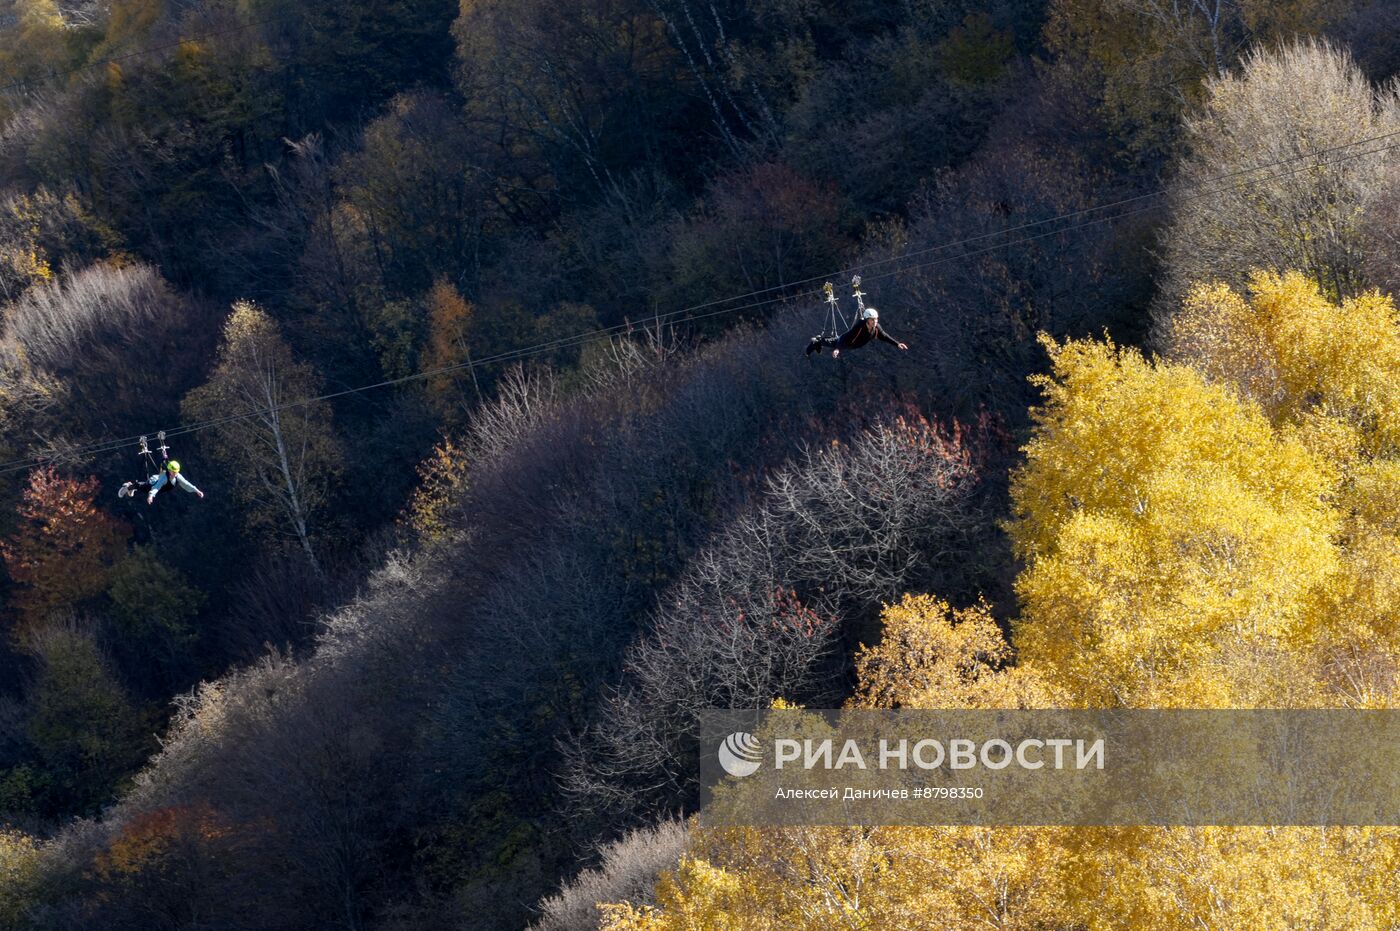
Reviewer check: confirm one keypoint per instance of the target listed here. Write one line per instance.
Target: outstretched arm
(881, 335)
(188, 485)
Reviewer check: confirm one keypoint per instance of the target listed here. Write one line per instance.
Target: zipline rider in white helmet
(866, 328)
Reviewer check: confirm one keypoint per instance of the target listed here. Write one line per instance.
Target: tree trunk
(294, 508)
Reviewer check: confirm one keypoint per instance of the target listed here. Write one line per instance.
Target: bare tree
(754, 618)
(61, 326)
(626, 872)
(100, 351)
(1302, 141)
(527, 397)
(575, 91)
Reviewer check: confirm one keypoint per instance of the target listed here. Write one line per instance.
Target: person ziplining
(167, 474)
(866, 328)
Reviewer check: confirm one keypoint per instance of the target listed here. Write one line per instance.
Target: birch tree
(280, 449)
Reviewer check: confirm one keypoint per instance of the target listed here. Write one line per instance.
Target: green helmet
(173, 465)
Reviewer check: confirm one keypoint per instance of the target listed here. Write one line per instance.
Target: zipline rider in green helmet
(170, 475)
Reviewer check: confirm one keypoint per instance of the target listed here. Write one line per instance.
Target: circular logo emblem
(740, 754)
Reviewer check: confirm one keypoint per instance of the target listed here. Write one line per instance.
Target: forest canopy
(478, 332)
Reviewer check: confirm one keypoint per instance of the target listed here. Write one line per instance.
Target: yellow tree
(1174, 879)
(916, 877)
(1218, 529)
(1193, 531)
(442, 481)
(1328, 372)
(449, 329)
(933, 656)
(1170, 534)
(21, 872)
(1330, 368)
(22, 259)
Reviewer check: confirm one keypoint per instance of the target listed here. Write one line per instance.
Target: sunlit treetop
(1171, 533)
(1305, 358)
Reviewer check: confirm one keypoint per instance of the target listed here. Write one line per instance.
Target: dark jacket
(863, 332)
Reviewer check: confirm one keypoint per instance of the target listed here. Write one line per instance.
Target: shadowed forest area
(479, 327)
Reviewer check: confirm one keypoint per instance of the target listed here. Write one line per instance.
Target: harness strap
(833, 314)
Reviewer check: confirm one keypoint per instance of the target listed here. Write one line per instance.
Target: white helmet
(870, 314)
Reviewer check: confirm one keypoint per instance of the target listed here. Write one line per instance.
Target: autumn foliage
(480, 326)
(1213, 530)
(64, 548)
(157, 835)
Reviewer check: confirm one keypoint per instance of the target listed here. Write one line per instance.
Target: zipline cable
(1160, 192)
(688, 315)
(1148, 195)
(1129, 213)
(578, 339)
